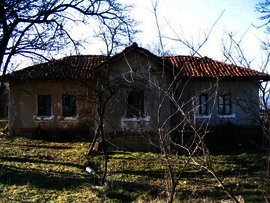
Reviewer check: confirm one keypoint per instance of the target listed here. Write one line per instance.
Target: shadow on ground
(11, 175)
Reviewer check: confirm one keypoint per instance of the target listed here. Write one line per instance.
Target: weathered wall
(245, 100)
(23, 106)
(138, 71)
(133, 71)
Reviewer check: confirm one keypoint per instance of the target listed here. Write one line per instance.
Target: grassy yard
(49, 171)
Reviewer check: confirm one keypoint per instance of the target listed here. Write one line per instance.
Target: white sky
(192, 19)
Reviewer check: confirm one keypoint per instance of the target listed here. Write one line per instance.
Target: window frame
(224, 103)
(202, 106)
(71, 110)
(44, 105)
(135, 104)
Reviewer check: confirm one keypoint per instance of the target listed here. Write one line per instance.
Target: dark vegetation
(33, 170)
(3, 123)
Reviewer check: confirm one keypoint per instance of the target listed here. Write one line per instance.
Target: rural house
(144, 92)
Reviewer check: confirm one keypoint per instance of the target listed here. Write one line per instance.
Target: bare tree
(34, 28)
(263, 7)
(104, 91)
(193, 143)
(113, 36)
(234, 53)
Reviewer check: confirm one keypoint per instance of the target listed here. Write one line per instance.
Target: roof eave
(257, 78)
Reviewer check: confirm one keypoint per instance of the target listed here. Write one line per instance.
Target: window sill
(70, 118)
(146, 119)
(43, 118)
(202, 116)
(227, 116)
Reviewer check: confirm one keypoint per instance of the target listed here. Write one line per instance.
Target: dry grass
(49, 171)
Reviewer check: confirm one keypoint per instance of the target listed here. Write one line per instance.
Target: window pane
(69, 105)
(44, 105)
(227, 109)
(203, 105)
(227, 99)
(135, 104)
(225, 104)
(220, 100)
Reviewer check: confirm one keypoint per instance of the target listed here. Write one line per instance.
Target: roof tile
(71, 67)
(192, 66)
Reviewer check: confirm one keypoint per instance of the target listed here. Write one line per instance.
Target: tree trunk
(93, 143)
(105, 155)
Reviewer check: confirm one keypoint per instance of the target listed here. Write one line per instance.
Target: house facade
(141, 93)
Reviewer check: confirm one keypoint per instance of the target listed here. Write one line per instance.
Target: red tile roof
(71, 67)
(81, 67)
(201, 67)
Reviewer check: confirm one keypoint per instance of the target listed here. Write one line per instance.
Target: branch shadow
(37, 146)
(11, 175)
(215, 194)
(45, 146)
(148, 173)
(128, 191)
(39, 161)
(118, 190)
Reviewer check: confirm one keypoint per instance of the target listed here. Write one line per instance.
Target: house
(144, 93)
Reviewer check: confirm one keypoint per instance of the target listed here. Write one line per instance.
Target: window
(224, 104)
(202, 104)
(69, 105)
(135, 108)
(44, 105)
